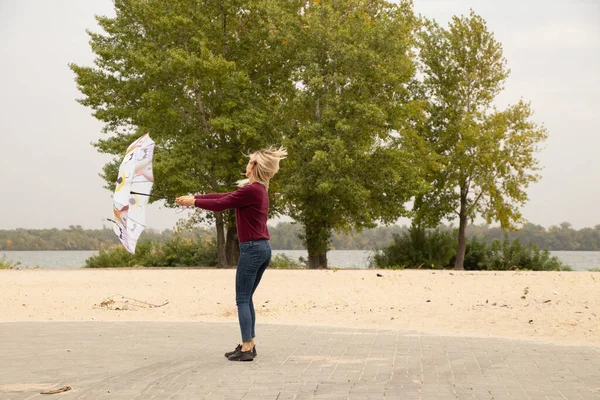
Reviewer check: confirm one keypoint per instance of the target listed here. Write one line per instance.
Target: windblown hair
(266, 163)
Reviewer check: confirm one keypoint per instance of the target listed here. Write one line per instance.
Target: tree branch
(318, 111)
(201, 107)
(470, 210)
(224, 33)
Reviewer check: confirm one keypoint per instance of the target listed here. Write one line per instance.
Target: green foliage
(352, 67)
(333, 81)
(5, 263)
(114, 257)
(282, 261)
(205, 79)
(418, 248)
(175, 252)
(200, 78)
(478, 160)
(506, 255)
(435, 248)
(475, 255)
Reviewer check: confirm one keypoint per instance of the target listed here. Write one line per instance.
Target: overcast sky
(49, 170)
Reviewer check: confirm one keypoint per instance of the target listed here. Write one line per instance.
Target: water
(76, 259)
(48, 259)
(579, 260)
(335, 258)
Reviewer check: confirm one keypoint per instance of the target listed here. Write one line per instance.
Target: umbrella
(132, 190)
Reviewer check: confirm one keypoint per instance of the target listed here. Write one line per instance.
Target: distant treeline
(557, 237)
(75, 238)
(285, 236)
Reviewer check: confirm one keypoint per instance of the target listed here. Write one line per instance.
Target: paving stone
(184, 360)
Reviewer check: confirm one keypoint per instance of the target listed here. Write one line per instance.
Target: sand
(556, 307)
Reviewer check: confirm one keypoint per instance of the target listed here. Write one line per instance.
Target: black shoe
(241, 356)
(239, 348)
(229, 354)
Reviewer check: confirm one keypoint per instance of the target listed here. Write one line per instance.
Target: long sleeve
(242, 197)
(251, 204)
(211, 195)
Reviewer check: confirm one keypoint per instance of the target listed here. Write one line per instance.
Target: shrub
(475, 254)
(175, 252)
(508, 255)
(419, 247)
(5, 263)
(115, 256)
(437, 249)
(282, 261)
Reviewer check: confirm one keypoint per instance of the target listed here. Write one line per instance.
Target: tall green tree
(352, 66)
(479, 160)
(203, 77)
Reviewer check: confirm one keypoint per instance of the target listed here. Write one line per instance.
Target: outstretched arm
(240, 198)
(211, 195)
(220, 201)
(189, 200)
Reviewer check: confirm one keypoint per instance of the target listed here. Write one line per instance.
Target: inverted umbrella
(132, 190)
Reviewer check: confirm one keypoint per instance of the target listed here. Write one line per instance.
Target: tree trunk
(232, 246)
(316, 239)
(462, 242)
(221, 251)
(317, 261)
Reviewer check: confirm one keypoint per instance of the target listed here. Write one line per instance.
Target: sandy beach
(555, 307)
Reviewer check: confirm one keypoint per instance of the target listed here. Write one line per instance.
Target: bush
(115, 256)
(282, 261)
(437, 249)
(175, 252)
(5, 263)
(475, 255)
(418, 247)
(506, 255)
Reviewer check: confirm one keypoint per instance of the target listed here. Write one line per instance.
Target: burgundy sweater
(251, 203)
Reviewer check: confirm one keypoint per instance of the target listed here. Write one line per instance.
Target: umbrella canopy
(135, 175)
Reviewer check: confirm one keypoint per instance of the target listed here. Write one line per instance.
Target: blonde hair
(266, 163)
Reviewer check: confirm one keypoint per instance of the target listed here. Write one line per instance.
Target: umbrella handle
(151, 195)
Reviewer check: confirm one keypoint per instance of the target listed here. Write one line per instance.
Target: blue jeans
(255, 257)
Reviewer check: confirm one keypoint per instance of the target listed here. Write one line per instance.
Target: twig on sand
(127, 302)
(59, 390)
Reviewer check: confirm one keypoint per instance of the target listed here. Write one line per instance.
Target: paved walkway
(183, 360)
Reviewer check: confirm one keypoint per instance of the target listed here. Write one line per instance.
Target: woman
(251, 204)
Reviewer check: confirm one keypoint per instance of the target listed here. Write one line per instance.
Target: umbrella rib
(139, 223)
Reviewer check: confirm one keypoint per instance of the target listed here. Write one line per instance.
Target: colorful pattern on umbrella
(135, 174)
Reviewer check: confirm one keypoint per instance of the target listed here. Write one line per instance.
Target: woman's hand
(185, 200)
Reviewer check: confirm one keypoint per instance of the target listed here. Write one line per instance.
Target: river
(578, 260)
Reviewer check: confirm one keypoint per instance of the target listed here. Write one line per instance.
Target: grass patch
(5, 263)
(283, 261)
